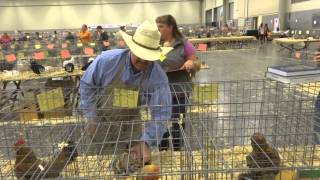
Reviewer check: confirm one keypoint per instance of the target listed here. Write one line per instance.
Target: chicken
(36, 67)
(87, 64)
(125, 164)
(69, 65)
(28, 166)
(262, 156)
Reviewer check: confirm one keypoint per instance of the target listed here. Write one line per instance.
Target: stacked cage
(219, 127)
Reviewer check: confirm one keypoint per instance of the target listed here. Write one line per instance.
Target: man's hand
(91, 127)
(142, 152)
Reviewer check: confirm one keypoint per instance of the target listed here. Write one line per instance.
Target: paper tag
(125, 98)
(79, 44)
(162, 57)
(50, 46)
(37, 46)
(51, 99)
(205, 93)
(11, 58)
(89, 51)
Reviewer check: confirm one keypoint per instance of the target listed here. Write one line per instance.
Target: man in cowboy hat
(128, 70)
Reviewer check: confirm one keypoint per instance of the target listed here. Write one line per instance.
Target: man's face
(84, 28)
(140, 64)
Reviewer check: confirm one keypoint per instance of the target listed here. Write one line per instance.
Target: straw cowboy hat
(145, 43)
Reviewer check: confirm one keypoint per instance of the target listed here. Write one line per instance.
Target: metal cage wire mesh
(215, 122)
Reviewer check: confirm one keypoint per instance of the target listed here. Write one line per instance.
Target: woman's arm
(192, 63)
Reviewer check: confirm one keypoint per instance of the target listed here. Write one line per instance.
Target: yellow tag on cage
(1, 56)
(46, 53)
(20, 55)
(37, 46)
(205, 93)
(92, 44)
(79, 44)
(125, 98)
(50, 100)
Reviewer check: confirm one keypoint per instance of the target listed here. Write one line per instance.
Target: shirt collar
(130, 66)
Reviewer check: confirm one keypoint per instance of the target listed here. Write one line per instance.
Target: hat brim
(144, 53)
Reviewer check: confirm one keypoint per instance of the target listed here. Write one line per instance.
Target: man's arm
(160, 105)
(98, 75)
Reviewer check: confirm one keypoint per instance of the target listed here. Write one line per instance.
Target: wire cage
(215, 122)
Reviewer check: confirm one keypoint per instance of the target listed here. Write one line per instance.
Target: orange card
(39, 55)
(88, 51)
(50, 46)
(202, 47)
(11, 58)
(65, 54)
(64, 45)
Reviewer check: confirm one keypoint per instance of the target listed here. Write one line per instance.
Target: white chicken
(69, 65)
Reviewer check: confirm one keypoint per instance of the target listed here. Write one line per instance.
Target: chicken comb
(20, 142)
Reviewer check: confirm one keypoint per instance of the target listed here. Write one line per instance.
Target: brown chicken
(28, 166)
(262, 156)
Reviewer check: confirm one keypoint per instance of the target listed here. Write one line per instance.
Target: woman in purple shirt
(179, 64)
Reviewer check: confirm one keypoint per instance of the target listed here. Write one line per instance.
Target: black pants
(178, 108)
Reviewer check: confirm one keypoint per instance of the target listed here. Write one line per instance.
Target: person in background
(37, 37)
(21, 36)
(261, 34)
(70, 37)
(178, 65)
(5, 40)
(266, 32)
(225, 29)
(208, 35)
(118, 40)
(286, 33)
(102, 38)
(85, 35)
(123, 28)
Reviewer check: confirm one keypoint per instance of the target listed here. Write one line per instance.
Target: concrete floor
(245, 64)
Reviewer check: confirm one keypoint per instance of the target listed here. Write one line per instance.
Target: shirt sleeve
(160, 106)
(189, 49)
(96, 76)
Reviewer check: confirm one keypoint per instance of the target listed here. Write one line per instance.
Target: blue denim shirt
(153, 84)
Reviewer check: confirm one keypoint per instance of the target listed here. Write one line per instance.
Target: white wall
(209, 4)
(304, 6)
(60, 14)
(263, 7)
(256, 7)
